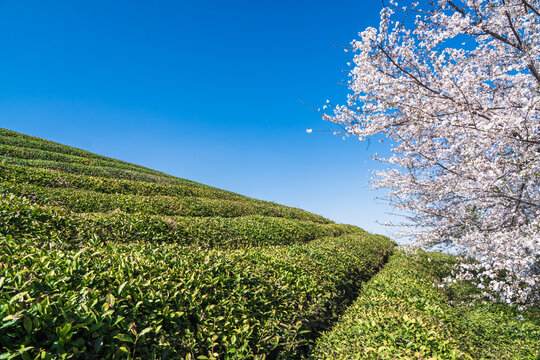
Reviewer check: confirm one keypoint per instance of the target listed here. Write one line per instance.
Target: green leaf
(12, 317)
(27, 323)
(145, 331)
(124, 337)
(98, 344)
(65, 330)
(121, 288)
(110, 299)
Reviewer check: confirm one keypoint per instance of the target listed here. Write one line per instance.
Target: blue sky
(204, 90)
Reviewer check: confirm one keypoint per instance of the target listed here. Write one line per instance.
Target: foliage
(209, 232)
(21, 216)
(119, 300)
(96, 262)
(457, 90)
(11, 139)
(400, 314)
(59, 179)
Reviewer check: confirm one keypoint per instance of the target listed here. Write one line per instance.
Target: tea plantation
(401, 313)
(102, 259)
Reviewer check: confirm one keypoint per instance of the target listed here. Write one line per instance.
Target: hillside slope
(126, 201)
(100, 258)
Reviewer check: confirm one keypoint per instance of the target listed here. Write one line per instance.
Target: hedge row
(90, 201)
(23, 152)
(402, 314)
(45, 178)
(137, 300)
(208, 232)
(59, 179)
(67, 162)
(31, 143)
(19, 216)
(101, 171)
(37, 154)
(8, 137)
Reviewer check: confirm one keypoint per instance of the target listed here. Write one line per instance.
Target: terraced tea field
(100, 258)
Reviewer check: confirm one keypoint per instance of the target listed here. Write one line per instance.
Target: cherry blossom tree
(455, 86)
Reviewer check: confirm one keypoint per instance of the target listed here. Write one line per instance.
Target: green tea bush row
(38, 154)
(20, 216)
(207, 232)
(101, 171)
(279, 210)
(60, 179)
(402, 314)
(138, 300)
(114, 188)
(12, 138)
(8, 137)
(29, 152)
(91, 201)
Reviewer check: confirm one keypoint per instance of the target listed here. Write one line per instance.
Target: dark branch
(530, 7)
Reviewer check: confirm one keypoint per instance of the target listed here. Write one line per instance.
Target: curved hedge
(102, 171)
(23, 152)
(207, 232)
(104, 259)
(58, 179)
(401, 314)
(13, 138)
(117, 300)
(22, 216)
(82, 201)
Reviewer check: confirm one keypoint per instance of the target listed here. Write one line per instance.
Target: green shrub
(38, 154)
(206, 232)
(14, 139)
(120, 300)
(8, 137)
(400, 314)
(58, 179)
(92, 201)
(19, 215)
(102, 171)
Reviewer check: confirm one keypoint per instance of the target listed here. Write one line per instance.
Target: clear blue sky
(204, 90)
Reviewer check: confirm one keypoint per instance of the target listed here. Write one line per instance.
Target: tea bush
(105, 259)
(402, 314)
(208, 232)
(102, 171)
(9, 137)
(91, 201)
(14, 139)
(58, 179)
(118, 300)
(22, 216)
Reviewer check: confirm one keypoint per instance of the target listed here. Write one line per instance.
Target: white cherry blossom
(455, 84)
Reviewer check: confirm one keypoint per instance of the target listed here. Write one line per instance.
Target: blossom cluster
(455, 84)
